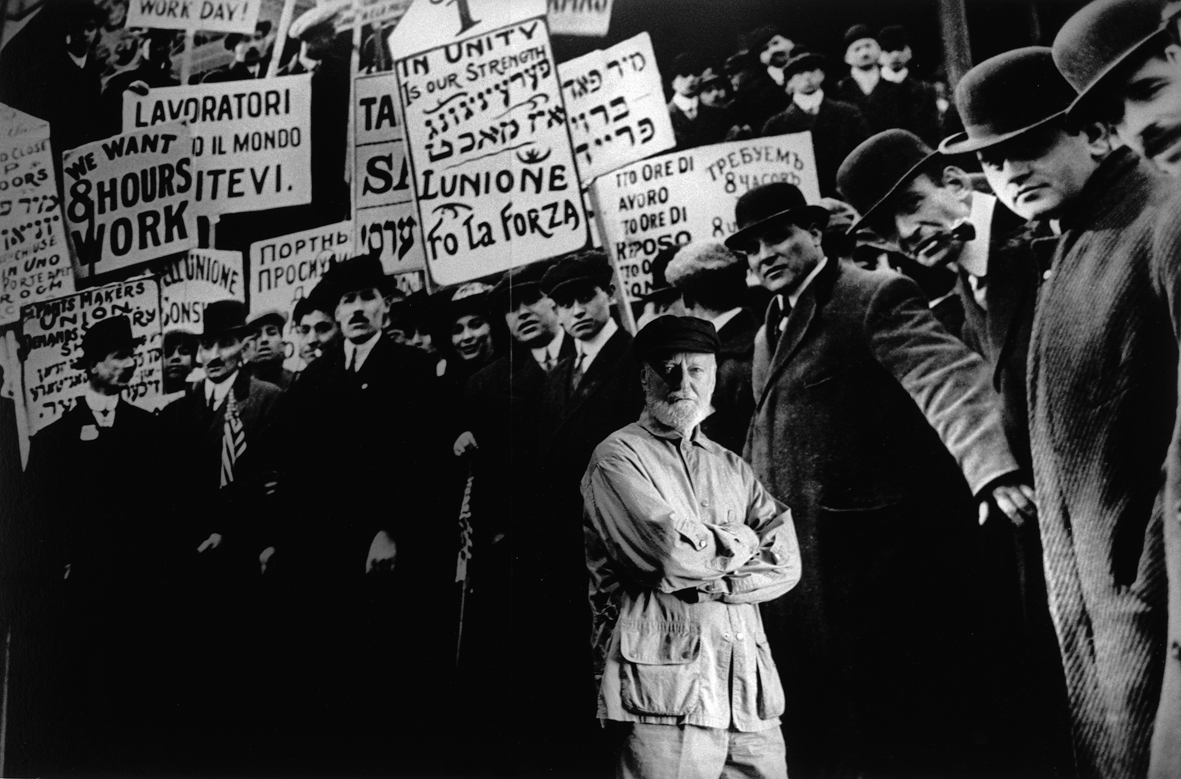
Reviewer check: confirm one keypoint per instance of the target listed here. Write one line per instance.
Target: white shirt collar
(592, 346)
(810, 103)
(551, 349)
(974, 257)
(358, 352)
(79, 61)
(720, 320)
(795, 296)
(219, 391)
(686, 104)
(895, 76)
(102, 406)
(776, 74)
(866, 79)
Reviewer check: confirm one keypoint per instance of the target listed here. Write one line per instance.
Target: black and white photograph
(590, 389)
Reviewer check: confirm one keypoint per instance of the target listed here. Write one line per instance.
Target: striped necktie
(233, 440)
(579, 367)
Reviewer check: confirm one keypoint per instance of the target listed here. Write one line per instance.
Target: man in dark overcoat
(1101, 391)
(95, 490)
(917, 108)
(712, 282)
(877, 428)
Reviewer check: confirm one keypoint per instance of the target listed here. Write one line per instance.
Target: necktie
(547, 364)
(105, 418)
(576, 376)
(233, 440)
(777, 314)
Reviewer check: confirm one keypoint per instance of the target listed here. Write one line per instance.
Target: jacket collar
(802, 316)
(1118, 174)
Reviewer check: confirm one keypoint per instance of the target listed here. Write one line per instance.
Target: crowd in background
(376, 563)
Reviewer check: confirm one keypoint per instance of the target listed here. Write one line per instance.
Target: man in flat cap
(1127, 62)
(1102, 393)
(367, 554)
(877, 428)
(712, 281)
(268, 350)
(96, 529)
(836, 126)
(979, 266)
(917, 109)
(694, 124)
(682, 543)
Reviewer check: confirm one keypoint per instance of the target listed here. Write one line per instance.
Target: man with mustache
(96, 545)
(1102, 391)
(682, 543)
(879, 430)
(1139, 58)
(268, 350)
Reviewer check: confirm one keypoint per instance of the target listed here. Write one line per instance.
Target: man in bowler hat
(916, 104)
(682, 544)
(1129, 60)
(95, 501)
(879, 430)
(1102, 392)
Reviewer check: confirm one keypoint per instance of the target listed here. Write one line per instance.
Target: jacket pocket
(658, 672)
(771, 701)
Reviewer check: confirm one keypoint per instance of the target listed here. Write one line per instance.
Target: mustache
(1157, 139)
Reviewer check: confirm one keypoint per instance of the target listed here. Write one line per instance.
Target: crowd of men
(885, 484)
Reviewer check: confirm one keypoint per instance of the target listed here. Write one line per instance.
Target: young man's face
(360, 314)
(895, 60)
(471, 336)
(925, 213)
(783, 254)
(685, 84)
(268, 344)
(221, 355)
(534, 319)
(583, 309)
(179, 354)
(113, 373)
(806, 82)
(776, 51)
(713, 94)
(863, 53)
(1151, 124)
(317, 331)
(1039, 173)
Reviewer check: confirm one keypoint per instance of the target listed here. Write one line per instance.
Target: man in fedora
(712, 281)
(367, 554)
(268, 350)
(1127, 61)
(988, 261)
(1102, 390)
(879, 430)
(837, 127)
(682, 543)
(96, 512)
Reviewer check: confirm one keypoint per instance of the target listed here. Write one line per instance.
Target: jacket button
(1046, 276)
(726, 636)
(705, 504)
(365, 385)
(1175, 649)
(739, 636)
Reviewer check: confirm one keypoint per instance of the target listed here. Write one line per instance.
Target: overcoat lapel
(798, 323)
(598, 373)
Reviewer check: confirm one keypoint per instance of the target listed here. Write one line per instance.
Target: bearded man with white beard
(682, 543)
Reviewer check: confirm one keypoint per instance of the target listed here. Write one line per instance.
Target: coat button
(726, 636)
(365, 385)
(705, 504)
(1046, 276)
(1175, 649)
(739, 636)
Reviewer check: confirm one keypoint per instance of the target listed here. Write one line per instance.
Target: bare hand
(138, 87)
(464, 444)
(1017, 501)
(382, 553)
(213, 542)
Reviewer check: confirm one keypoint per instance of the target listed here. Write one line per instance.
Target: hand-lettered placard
(673, 199)
(580, 17)
(207, 15)
(52, 332)
(193, 281)
(252, 139)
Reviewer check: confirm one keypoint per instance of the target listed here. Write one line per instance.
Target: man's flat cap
(590, 266)
(700, 259)
(523, 281)
(803, 60)
(277, 318)
(672, 334)
(858, 32)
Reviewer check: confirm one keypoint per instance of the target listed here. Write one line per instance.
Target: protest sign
(673, 199)
(429, 24)
(615, 104)
(52, 332)
(208, 15)
(492, 164)
(130, 198)
(34, 257)
(285, 269)
(386, 218)
(193, 281)
(378, 13)
(252, 139)
(579, 17)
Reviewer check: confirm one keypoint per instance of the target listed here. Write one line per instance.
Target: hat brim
(910, 174)
(1088, 95)
(960, 143)
(79, 363)
(804, 216)
(270, 316)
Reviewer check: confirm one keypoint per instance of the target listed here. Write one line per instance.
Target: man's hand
(213, 542)
(382, 552)
(1018, 501)
(138, 87)
(464, 444)
(265, 557)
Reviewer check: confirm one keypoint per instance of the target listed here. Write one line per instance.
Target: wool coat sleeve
(647, 536)
(948, 381)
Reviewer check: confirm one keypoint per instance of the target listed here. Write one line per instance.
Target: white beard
(681, 415)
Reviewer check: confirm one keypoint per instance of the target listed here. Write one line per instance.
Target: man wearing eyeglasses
(880, 431)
